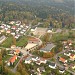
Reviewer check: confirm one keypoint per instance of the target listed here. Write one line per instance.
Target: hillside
(60, 10)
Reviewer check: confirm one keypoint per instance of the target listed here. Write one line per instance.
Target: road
(23, 50)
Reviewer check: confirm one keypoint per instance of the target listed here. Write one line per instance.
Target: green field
(6, 58)
(7, 43)
(22, 41)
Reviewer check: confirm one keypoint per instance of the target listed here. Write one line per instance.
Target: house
(33, 43)
(41, 61)
(2, 27)
(12, 22)
(48, 48)
(12, 60)
(67, 54)
(72, 57)
(16, 52)
(22, 32)
(21, 26)
(61, 70)
(33, 29)
(2, 30)
(13, 27)
(52, 65)
(27, 26)
(70, 44)
(31, 46)
(73, 66)
(18, 22)
(73, 50)
(38, 62)
(34, 58)
(64, 42)
(28, 60)
(13, 46)
(63, 60)
(16, 37)
(17, 30)
(49, 31)
(33, 40)
(66, 46)
(13, 33)
(8, 31)
(41, 69)
(8, 26)
(2, 38)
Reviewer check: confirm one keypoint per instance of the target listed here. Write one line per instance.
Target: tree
(17, 73)
(7, 71)
(1, 63)
(24, 72)
(22, 69)
(51, 24)
(14, 40)
(3, 52)
(48, 55)
(46, 38)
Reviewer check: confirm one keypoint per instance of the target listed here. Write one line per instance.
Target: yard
(15, 63)
(7, 43)
(6, 58)
(22, 41)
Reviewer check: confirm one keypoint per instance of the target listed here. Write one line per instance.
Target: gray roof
(52, 64)
(61, 68)
(48, 47)
(28, 58)
(41, 68)
(2, 37)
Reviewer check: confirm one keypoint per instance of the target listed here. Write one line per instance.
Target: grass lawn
(16, 61)
(22, 41)
(44, 73)
(7, 43)
(6, 58)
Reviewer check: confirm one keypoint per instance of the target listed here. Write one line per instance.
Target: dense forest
(38, 10)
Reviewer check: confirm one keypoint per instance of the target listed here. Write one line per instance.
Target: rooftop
(48, 47)
(30, 45)
(62, 59)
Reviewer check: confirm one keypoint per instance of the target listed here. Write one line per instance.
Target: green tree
(14, 40)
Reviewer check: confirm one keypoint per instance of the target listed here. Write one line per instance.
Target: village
(38, 56)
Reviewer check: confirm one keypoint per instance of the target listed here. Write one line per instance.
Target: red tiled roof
(61, 59)
(17, 51)
(13, 59)
(33, 39)
(72, 55)
(13, 26)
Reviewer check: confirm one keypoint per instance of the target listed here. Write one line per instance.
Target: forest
(38, 11)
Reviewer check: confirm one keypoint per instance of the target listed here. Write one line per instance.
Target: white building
(2, 38)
